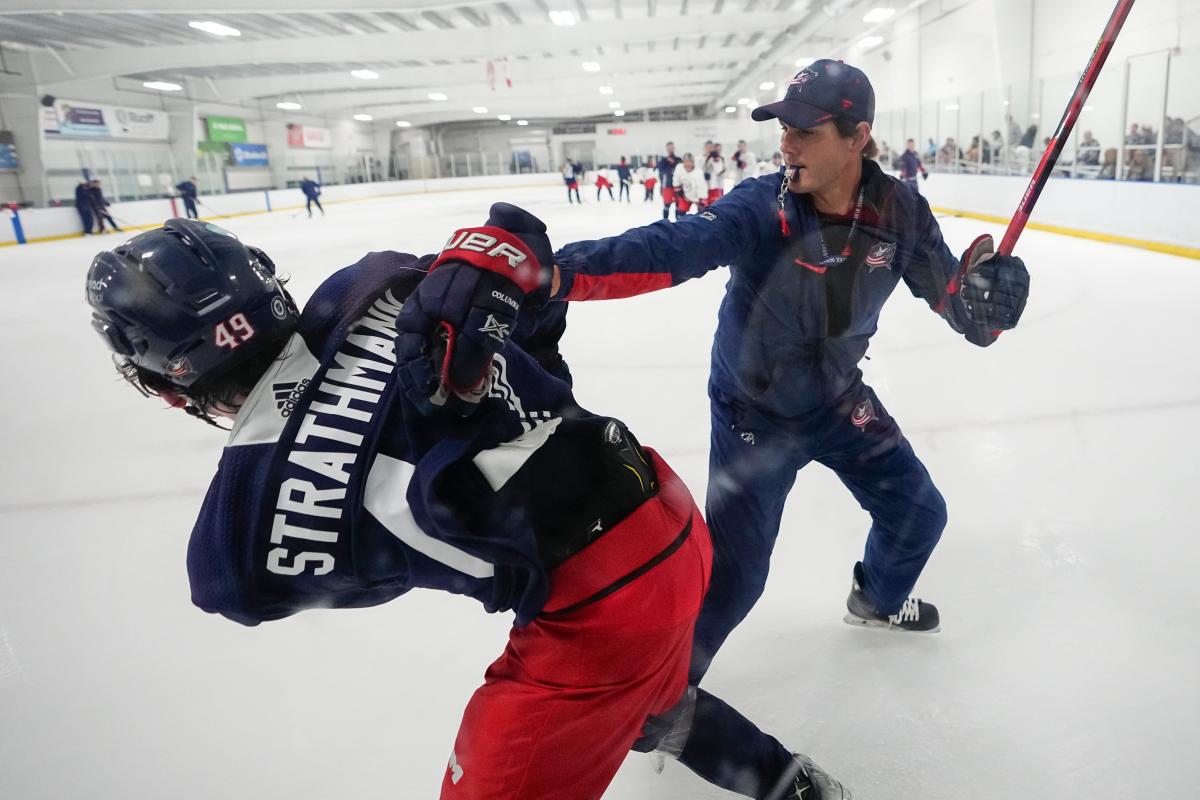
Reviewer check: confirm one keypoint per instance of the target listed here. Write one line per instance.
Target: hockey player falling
(415, 428)
(813, 253)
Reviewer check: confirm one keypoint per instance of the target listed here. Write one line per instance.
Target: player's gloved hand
(924, 175)
(460, 316)
(993, 290)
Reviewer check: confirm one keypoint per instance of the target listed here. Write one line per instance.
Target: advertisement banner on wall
(225, 129)
(248, 155)
(307, 136)
(92, 120)
(8, 157)
(317, 137)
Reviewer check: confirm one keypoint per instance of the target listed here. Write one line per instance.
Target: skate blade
(854, 619)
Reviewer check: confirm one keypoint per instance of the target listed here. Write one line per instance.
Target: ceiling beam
(649, 88)
(613, 71)
(232, 7)
(541, 107)
(104, 63)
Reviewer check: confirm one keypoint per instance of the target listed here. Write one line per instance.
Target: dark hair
(847, 127)
(223, 389)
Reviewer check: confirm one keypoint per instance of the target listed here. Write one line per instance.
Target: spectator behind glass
(1089, 150)
(1109, 170)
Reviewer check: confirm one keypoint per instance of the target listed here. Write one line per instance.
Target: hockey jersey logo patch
(863, 414)
(880, 256)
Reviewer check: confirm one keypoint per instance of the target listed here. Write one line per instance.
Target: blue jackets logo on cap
(802, 77)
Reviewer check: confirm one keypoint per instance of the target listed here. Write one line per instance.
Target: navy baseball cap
(823, 90)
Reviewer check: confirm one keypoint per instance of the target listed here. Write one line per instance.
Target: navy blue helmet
(188, 301)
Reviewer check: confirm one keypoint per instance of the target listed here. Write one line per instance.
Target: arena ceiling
(397, 59)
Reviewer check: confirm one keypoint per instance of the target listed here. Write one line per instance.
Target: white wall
(1156, 212)
(966, 46)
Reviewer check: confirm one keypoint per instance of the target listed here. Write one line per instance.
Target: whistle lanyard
(832, 261)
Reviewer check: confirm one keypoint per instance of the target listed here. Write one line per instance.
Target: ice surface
(1067, 666)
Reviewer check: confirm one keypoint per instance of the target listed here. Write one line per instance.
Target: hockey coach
(813, 252)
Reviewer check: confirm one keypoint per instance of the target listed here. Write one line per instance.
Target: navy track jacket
(793, 326)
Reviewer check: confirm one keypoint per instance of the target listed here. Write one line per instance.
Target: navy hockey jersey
(333, 492)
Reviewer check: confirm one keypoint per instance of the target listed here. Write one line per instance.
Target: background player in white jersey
(744, 163)
(770, 167)
(714, 171)
(690, 186)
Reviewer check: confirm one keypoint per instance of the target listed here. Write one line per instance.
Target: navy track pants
(753, 462)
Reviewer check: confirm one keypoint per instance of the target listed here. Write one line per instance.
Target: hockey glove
(993, 289)
(532, 233)
(460, 316)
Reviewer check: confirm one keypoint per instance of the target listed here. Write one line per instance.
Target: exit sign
(616, 131)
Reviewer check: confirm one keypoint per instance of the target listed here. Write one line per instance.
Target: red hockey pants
(560, 708)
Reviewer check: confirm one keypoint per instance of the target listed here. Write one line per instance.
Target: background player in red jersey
(666, 173)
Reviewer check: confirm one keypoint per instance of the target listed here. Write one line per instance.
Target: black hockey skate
(813, 783)
(915, 616)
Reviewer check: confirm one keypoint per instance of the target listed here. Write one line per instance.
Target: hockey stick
(1086, 81)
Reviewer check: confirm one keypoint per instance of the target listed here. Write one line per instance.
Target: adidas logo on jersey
(288, 394)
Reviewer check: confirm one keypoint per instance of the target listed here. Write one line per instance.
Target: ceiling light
(522, 122)
(804, 61)
(868, 42)
(480, 109)
(365, 74)
(591, 66)
(562, 17)
(615, 104)
(879, 15)
(438, 96)
(744, 101)
(288, 105)
(215, 28)
(766, 86)
(403, 124)
(730, 109)
(619, 113)
(363, 117)
(504, 117)
(606, 90)
(162, 86)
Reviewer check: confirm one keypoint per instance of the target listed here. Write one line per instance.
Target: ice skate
(915, 616)
(810, 782)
